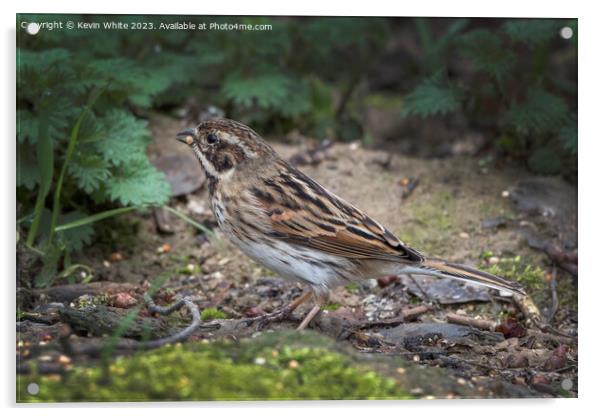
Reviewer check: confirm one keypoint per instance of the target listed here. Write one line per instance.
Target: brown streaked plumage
(289, 223)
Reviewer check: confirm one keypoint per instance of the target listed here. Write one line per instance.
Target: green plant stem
(46, 165)
(70, 147)
(94, 218)
(189, 220)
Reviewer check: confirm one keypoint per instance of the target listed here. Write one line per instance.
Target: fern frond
(541, 112)
(486, 51)
(435, 95)
(532, 32)
(139, 183)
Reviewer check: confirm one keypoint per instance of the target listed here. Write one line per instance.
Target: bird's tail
(442, 268)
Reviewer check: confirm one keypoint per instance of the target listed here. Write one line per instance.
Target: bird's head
(224, 145)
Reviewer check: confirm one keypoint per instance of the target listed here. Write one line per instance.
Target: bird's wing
(302, 212)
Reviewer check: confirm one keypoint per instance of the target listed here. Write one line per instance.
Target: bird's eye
(211, 138)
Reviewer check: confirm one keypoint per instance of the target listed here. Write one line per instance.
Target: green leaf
(433, 96)
(263, 91)
(28, 174)
(533, 32)
(568, 136)
(486, 51)
(84, 221)
(545, 160)
(139, 183)
(45, 158)
(541, 112)
(124, 138)
(129, 80)
(74, 239)
(52, 255)
(89, 170)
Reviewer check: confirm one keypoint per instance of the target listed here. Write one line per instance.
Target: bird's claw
(268, 318)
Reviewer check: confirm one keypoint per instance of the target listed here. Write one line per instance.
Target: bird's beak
(186, 136)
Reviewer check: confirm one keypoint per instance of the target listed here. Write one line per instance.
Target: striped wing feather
(302, 212)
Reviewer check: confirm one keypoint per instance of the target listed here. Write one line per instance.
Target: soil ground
(455, 208)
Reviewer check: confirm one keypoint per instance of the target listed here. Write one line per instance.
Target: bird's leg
(309, 317)
(280, 314)
(321, 298)
(425, 295)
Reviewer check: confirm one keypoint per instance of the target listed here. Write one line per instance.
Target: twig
(409, 187)
(554, 306)
(483, 324)
(425, 295)
(406, 315)
(130, 344)
(166, 310)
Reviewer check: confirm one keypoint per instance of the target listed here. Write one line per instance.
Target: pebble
(164, 248)
(115, 257)
(63, 359)
(493, 260)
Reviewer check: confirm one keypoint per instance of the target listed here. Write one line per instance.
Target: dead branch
(554, 306)
(483, 324)
(66, 293)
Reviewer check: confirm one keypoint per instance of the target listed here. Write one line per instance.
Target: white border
(590, 151)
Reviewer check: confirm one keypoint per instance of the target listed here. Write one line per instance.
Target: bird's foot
(263, 320)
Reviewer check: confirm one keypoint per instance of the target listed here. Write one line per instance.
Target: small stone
(165, 248)
(123, 300)
(115, 257)
(566, 384)
(493, 260)
(63, 359)
(387, 280)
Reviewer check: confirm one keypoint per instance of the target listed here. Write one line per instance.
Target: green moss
(352, 287)
(384, 101)
(519, 269)
(209, 314)
(331, 306)
(433, 223)
(219, 371)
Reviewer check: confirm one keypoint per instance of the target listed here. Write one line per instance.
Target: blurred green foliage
(83, 97)
(218, 371)
(511, 86)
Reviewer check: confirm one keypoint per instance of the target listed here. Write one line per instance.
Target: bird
(292, 225)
